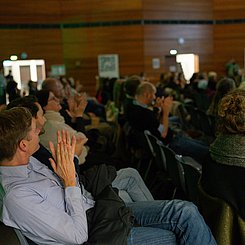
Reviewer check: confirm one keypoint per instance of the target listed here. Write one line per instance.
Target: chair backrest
(226, 225)
(137, 146)
(173, 166)
(192, 172)
(155, 146)
(11, 236)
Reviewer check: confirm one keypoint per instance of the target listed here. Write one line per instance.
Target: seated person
(128, 181)
(51, 209)
(130, 88)
(224, 170)
(51, 106)
(141, 118)
(223, 87)
(73, 111)
(67, 100)
(74, 119)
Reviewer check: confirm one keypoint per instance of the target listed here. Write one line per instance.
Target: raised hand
(159, 102)
(63, 154)
(77, 105)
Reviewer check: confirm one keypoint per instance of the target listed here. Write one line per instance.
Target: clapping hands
(63, 155)
(77, 105)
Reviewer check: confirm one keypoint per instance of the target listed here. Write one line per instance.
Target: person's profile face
(151, 97)
(33, 138)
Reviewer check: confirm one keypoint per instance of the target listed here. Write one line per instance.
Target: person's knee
(190, 210)
(134, 172)
(184, 207)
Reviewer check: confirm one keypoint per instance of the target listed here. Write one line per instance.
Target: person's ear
(23, 145)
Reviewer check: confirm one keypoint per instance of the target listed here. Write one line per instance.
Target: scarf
(229, 150)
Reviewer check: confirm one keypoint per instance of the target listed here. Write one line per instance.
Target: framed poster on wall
(108, 65)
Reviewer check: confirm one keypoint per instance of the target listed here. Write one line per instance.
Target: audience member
(128, 181)
(224, 170)
(142, 118)
(130, 88)
(223, 87)
(9, 77)
(212, 83)
(32, 87)
(232, 69)
(12, 90)
(75, 119)
(51, 106)
(36, 201)
(56, 87)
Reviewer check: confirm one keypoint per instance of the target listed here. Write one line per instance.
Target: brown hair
(14, 126)
(224, 86)
(231, 113)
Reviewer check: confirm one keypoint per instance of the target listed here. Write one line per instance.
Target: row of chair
(184, 171)
(227, 227)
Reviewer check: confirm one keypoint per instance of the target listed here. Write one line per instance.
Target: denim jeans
(168, 222)
(131, 186)
(189, 147)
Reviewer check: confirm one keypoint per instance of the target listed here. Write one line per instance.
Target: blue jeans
(168, 222)
(185, 146)
(131, 186)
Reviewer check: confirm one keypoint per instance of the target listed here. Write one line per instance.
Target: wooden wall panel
(83, 45)
(38, 44)
(105, 10)
(229, 42)
(160, 39)
(102, 34)
(178, 9)
(26, 11)
(229, 39)
(56, 11)
(177, 31)
(229, 9)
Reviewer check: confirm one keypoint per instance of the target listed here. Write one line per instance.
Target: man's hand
(159, 102)
(77, 105)
(63, 154)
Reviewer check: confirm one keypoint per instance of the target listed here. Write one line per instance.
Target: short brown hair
(14, 126)
(231, 113)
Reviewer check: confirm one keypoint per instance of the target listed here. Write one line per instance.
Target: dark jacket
(141, 119)
(110, 221)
